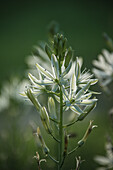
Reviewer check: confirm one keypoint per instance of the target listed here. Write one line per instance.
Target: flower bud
(88, 131)
(60, 47)
(45, 148)
(33, 99)
(48, 51)
(45, 119)
(51, 107)
(55, 41)
(68, 56)
(87, 110)
(66, 139)
(65, 43)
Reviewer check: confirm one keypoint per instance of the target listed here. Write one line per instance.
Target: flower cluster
(76, 93)
(66, 83)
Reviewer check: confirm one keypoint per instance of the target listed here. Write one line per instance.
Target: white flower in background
(106, 161)
(10, 91)
(104, 68)
(38, 56)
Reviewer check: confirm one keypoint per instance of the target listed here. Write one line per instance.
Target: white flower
(10, 91)
(75, 84)
(104, 70)
(106, 161)
(38, 56)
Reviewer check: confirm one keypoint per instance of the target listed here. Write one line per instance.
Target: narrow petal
(67, 69)
(55, 87)
(82, 91)
(87, 102)
(45, 72)
(34, 80)
(102, 160)
(73, 86)
(76, 109)
(55, 66)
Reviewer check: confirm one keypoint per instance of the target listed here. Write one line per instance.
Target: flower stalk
(61, 128)
(66, 84)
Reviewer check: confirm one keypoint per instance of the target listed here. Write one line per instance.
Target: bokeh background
(22, 25)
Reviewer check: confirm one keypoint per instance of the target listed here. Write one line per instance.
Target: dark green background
(23, 23)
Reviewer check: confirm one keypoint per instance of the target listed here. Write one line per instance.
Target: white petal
(102, 160)
(57, 98)
(87, 102)
(82, 91)
(76, 109)
(73, 86)
(106, 55)
(67, 69)
(55, 87)
(55, 66)
(34, 80)
(45, 72)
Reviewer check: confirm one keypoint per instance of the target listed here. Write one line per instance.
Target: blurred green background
(22, 25)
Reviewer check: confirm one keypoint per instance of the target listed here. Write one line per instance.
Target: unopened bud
(45, 148)
(65, 44)
(48, 51)
(68, 56)
(45, 119)
(33, 99)
(66, 139)
(51, 107)
(88, 131)
(87, 110)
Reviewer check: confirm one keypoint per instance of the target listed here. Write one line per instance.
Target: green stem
(73, 150)
(54, 120)
(60, 123)
(55, 138)
(60, 129)
(67, 125)
(53, 159)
